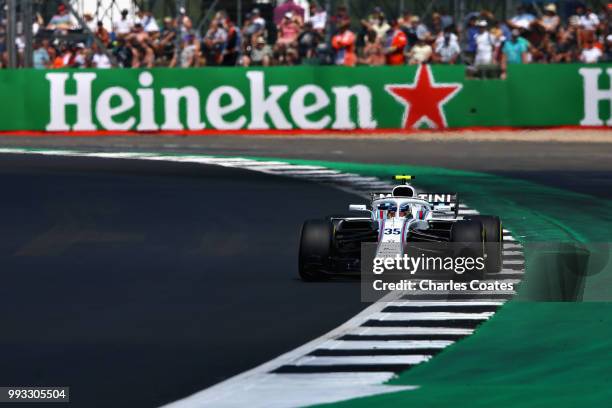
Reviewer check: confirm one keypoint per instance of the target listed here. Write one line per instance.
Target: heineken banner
(303, 97)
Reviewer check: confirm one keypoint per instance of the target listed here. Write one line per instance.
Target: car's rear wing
(442, 202)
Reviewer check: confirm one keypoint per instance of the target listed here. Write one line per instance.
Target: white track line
(430, 316)
(384, 344)
(359, 360)
(399, 331)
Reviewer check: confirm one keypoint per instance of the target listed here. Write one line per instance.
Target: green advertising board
(303, 97)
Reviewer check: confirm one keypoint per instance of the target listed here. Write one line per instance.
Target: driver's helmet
(389, 207)
(404, 211)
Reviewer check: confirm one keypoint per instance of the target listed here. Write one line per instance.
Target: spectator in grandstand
(188, 55)
(339, 18)
(395, 44)
(343, 44)
(163, 43)
(437, 26)
(62, 20)
(289, 6)
(318, 18)
(52, 55)
(372, 51)
(522, 20)
(447, 49)
(252, 28)
(102, 33)
(376, 22)
(590, 53)
(40, 56)
(485, 45)
(146, 19)
(514, 51)
(587, 22)
(258, 19)
(214, 43)
(139, 33)
(420, 29)
(124, 25)
(288, 31)
(3, 48)
(123, 53)
(99, 59)
(89, 22)
(420, 53)
(80, 56)
(566, 45)
(232, 45)
(607, 55)
(308, 41)
(260, 54)
(549, 21)
(407, 28)
(469, 47)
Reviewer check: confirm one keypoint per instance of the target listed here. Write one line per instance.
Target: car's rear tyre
(493, 231)
(315, 249)
(469, 237)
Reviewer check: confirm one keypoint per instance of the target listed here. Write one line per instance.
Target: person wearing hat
(549, 21)
(485, 44)
(288, 31)
(260, 54)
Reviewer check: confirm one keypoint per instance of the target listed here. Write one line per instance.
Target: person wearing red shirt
(395, 44)
(344, 44)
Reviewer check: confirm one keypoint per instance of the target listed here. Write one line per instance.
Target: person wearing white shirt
(587, 20)
(124, 25)
(590, 54)
(485, 45)
(99, 59)
(318, 18)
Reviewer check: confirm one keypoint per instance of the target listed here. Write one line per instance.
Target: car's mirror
(358, 207)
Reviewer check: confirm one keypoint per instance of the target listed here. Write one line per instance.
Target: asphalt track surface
(584, 167)
(137, 283)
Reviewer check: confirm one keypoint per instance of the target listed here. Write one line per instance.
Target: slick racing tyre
(470, 235)
(315, 248)
(493, 241)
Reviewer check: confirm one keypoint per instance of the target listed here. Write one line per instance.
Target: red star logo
(424, 99)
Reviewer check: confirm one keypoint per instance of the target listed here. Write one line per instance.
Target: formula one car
(332, 246)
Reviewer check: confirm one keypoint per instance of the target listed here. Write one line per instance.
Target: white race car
(332, 246)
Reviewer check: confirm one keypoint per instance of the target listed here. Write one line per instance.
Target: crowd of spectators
(296, 35)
